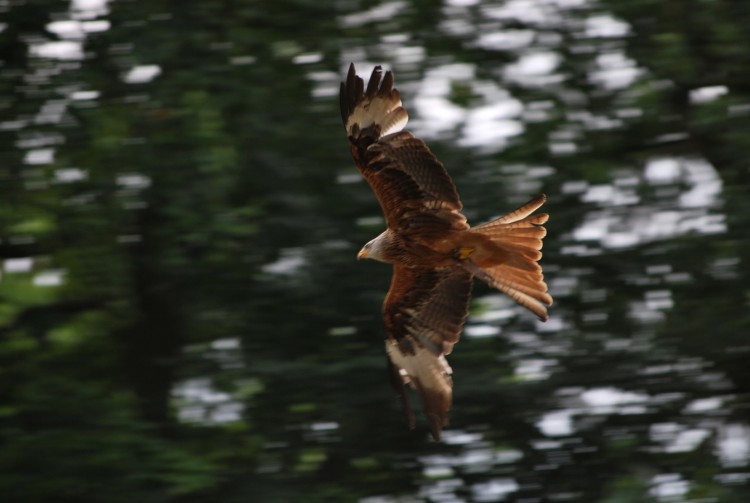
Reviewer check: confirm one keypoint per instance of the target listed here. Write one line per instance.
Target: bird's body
(434, 252)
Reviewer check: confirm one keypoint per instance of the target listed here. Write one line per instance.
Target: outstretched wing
(424, 312)
(406, 177)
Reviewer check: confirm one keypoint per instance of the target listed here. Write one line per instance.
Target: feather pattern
(405, 175)
(424, 312)
(434, 252)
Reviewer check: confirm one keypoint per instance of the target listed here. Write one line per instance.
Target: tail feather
(532, 288)
(512, 233)
(524, 242)
(530, 244)
(520, 213)
(504, 274)
(526, 252)
(498, 226)
(527, 301)
(517, 241)
(528, 293)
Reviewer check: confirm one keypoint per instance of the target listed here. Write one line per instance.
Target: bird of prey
(434, 252)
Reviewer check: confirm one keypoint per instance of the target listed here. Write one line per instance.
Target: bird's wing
(424, 312)
(411, 184)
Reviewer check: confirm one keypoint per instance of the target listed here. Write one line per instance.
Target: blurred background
(182, 315)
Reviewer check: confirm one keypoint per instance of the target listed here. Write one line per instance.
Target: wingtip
(399, 387)
(378, 104)
(437, 406)
(436, 426)
(374, 83)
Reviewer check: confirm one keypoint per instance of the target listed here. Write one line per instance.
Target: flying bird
(434, 252)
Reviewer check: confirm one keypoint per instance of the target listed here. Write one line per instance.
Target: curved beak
(362, 254)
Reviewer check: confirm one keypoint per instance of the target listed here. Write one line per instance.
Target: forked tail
(516, 239)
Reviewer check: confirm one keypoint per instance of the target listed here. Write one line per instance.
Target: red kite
(434, 252)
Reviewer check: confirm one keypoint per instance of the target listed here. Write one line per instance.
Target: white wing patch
(385, 112)
(422, 369)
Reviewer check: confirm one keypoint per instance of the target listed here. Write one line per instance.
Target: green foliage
(71, 433)
(203, 225)
(84, 443)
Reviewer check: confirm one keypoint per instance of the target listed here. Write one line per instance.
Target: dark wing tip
(349, 93)
(387, 86)
(436, 426)
(374, 83)
(353, 89)
(436, 409)
(398, 386)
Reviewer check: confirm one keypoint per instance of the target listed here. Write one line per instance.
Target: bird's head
(374, 249)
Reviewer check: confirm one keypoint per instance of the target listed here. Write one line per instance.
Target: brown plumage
(434, 252)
